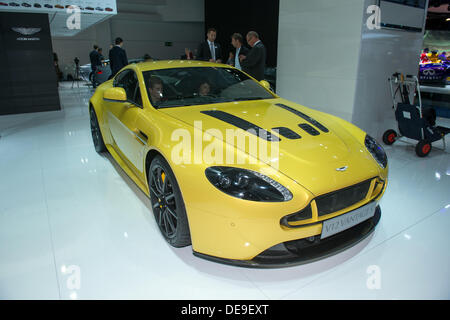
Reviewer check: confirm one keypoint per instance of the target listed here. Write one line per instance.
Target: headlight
(376, 150)
(247, 184)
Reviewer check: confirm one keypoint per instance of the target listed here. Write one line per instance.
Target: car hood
(319, 162)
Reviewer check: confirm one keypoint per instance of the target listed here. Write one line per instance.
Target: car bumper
(302, 251)
(250, 232)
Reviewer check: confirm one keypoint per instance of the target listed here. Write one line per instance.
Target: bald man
(255, 61)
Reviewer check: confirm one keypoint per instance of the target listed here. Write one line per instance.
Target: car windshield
(179, 87)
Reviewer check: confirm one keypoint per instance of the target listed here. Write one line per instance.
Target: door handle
(140, 136)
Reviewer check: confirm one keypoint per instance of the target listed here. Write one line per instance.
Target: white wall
(329, 60)
(144, 28)
(318, 50)
(383, 52)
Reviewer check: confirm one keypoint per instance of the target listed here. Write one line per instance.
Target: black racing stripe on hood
(242, 124)
(304, 116)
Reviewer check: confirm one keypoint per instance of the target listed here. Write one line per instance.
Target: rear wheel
(423, 148)
(167, 204)
(97, 137)
(389, 137)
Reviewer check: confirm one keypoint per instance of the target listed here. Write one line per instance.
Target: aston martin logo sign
(27, 32)
(342, 168)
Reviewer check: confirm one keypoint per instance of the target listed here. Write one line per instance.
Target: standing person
(255, 61)
(117, 57)
(94, 56)
(237, 41)
(210, 50)
(188, 55)
(59, 74)
(100, 55)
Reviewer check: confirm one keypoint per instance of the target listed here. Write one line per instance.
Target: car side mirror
(115, 94)
(265, 84)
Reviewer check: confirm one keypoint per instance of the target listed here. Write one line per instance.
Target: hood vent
(309, 129)
(287, 133)
(242, 124)
(304, 117)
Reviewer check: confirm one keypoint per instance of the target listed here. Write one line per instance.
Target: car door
(129, 141)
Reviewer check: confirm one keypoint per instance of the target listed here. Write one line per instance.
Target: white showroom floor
(73, 226)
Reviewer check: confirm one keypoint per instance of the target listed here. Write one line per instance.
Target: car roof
(168, 64)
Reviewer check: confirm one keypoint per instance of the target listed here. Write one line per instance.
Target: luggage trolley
(413, 121)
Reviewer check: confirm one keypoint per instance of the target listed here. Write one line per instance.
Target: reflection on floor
(73, 226)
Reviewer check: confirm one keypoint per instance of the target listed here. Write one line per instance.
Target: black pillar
(28, 81)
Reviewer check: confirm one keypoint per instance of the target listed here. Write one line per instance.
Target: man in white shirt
(237, 42)
(210, 50)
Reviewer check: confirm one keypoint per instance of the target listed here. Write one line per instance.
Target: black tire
(389, 137)
(167, 204)
(97, 137)
(423, 148)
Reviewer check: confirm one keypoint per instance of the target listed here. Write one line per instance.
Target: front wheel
(167, 204)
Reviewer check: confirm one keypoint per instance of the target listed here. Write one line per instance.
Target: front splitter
(298, 252)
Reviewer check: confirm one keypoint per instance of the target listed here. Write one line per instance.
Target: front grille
(341, 199)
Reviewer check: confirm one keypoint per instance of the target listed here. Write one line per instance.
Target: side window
(128, 80)
(138, 97)
(119, 77)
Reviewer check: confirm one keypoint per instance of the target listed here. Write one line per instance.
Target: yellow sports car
(246, 177)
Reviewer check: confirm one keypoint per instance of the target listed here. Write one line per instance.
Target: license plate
(348, 220)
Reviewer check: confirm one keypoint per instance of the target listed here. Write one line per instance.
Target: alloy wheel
(163, 201)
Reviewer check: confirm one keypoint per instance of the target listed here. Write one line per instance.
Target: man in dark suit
(117, 57)
(94, 56)
(239, 49)
(255, 62)
(210, 50)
